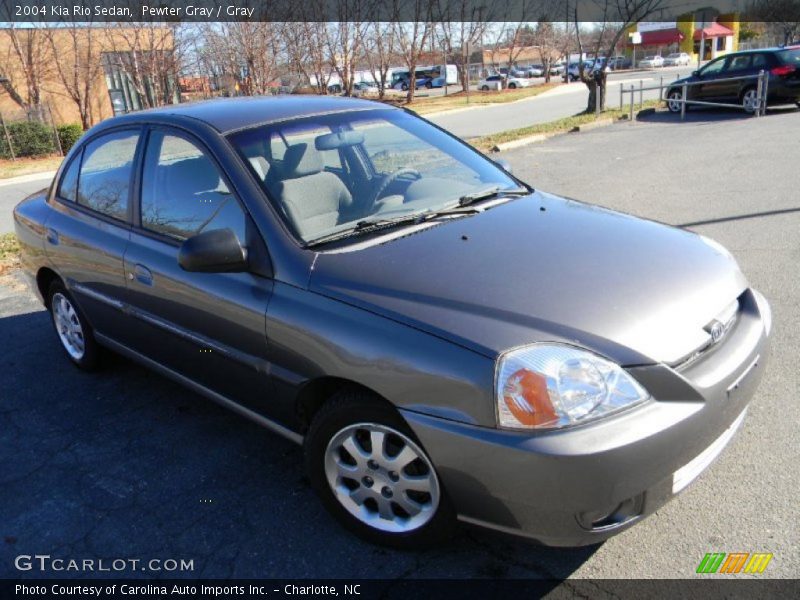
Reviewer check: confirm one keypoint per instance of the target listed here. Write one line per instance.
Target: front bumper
(580, 486)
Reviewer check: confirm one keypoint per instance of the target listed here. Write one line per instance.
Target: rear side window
(739, 63)
(790, 57)
(68, 188)
(183, 193)
(105, 173)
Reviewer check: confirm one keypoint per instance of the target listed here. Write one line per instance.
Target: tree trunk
(596, 85)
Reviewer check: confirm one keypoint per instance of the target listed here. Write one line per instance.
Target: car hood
(542, 268)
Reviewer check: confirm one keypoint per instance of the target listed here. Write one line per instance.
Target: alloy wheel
(750, 101)
(382, 477)
(674, 101)
(68, 326)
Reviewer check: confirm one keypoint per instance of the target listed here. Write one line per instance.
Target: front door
(209, 327)
(711, 90)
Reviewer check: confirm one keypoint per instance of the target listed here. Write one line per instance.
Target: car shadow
(707, 114)
(124, 463)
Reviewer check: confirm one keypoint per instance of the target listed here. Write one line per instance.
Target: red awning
(661, 37)
(713, 30)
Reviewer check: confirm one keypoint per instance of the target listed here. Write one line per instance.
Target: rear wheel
(429, 85)
(485, 88)
(750, 100)
(371, 473)
(73, 330)
(512, 86)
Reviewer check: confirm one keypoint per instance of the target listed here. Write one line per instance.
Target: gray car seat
(311, 196)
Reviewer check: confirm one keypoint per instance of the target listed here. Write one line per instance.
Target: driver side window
(714, 68)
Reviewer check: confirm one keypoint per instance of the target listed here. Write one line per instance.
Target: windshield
(330, 173)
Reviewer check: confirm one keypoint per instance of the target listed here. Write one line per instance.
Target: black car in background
(714, 79)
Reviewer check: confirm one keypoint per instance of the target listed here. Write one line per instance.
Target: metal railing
(760, 101)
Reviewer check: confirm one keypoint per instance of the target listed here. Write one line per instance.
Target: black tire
(88, 360)
(354, 407)
(404, 87)
(743, 96)
(512, 86)
(676, 95)
(429, 85)
(485, 88)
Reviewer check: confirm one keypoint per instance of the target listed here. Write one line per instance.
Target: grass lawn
(487, 142)
(26, 166)
(9, 252)
(428, 105)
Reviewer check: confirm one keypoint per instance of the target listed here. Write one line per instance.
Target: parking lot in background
(127, 464)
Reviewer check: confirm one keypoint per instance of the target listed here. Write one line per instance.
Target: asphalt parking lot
(127, 464)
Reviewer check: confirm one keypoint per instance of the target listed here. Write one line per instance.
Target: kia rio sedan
(446, 342)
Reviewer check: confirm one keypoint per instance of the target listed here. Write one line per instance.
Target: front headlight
(545, 386)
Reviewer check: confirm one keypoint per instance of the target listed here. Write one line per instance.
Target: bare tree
(780, 16)
(150, 56)
(25, 68)
(76, 60)
(548, 38)
(412, 37)
(245, 51)
(344, 41)
(461, 25)
(379, 44)
(617, 16)
(307, 53)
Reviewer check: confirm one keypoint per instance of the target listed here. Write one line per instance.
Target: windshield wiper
(490, 192)
(370, 225)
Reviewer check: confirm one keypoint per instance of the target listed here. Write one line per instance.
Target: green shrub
(28, 138)
(68, 134)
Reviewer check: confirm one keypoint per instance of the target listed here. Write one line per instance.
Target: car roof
(231, 114)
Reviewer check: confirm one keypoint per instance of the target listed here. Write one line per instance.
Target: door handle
(51, 235)
(142, 274)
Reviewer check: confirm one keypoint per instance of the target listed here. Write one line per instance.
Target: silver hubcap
(674, 102)
(381, 477)
(68, 326)
(749, 101)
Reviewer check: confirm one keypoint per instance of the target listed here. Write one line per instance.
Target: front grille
(717, 330)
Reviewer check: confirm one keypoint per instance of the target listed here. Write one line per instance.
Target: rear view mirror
(216, 251)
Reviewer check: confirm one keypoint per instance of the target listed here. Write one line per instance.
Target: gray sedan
(446, 342)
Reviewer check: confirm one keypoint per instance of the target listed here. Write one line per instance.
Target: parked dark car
(445, 341)
(712, 82)
(619, 62)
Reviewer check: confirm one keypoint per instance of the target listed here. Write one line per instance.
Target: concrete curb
(530, 139)
(593, 125)
(44, 175)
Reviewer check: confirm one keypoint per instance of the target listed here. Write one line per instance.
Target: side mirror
(505, 165)
(216, 251)
(696, 74)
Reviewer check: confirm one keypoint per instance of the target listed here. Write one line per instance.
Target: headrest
(301, 160)
(332, 141)
(191, 176)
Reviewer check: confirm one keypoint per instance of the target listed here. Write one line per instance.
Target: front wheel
(512, 86)
(373, 476)
(73, 330)
(429, 85)
(485, 88)
(674, 101)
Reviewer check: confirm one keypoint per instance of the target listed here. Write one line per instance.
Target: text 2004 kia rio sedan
(446, 342)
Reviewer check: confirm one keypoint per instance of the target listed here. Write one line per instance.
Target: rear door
(209, 327)
(88, 232)
(738, 66)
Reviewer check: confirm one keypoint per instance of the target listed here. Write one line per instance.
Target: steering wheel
(390, 178)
